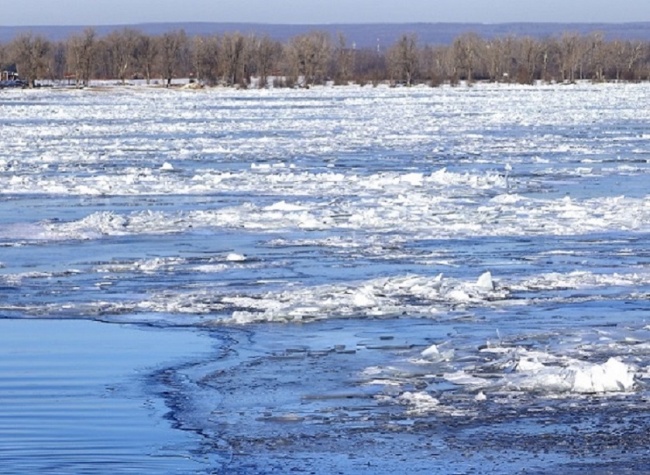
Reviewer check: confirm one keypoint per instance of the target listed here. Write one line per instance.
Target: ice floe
(423, 217)
(540, 372)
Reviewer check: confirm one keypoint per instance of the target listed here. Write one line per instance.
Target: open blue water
(77, 397)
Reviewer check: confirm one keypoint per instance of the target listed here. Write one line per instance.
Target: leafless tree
(467, 55)
(634, 54)
(233, 58)
(615, 61)
(549, 59)
(173, 47)
(625, 56)
(102, 61)
(205, 54)
(496, 63)
(596, 56)
(266, 54)
(145, 54)
(569, 51)
(309, 55)
(81, 55)
(643, 65)
(58, 65)
(3, 56)
(529, 54)
(434, 65)
(343, 60)
(403, 59)
(30, 54)
(369, 66)
(121, 48)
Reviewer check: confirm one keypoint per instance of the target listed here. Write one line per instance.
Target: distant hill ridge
(363, 35)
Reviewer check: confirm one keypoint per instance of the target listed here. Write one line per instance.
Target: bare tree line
(238, 60)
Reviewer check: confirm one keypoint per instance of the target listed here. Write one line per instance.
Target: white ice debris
(431, 352)
(411, 294)
(419, 402)
(535, 371)
(578, 377)
(364, 297)
(530, 364)
(437, 282)
(581, 280)
(471, 293)
(463, 378)
(427, 211)
(126, 155)
(485, 282)
(284, 206)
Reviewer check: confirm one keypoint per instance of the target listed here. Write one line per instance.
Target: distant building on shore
(9, 76)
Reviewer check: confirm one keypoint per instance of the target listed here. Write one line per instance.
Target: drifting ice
(582, 378)
(485, 282)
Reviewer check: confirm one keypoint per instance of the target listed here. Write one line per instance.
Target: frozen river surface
(420, 280)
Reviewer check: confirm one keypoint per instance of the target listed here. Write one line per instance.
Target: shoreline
(182, 85)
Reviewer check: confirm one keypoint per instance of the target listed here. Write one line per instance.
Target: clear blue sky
(102, 12)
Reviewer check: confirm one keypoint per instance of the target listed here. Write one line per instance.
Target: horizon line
(198, 22)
